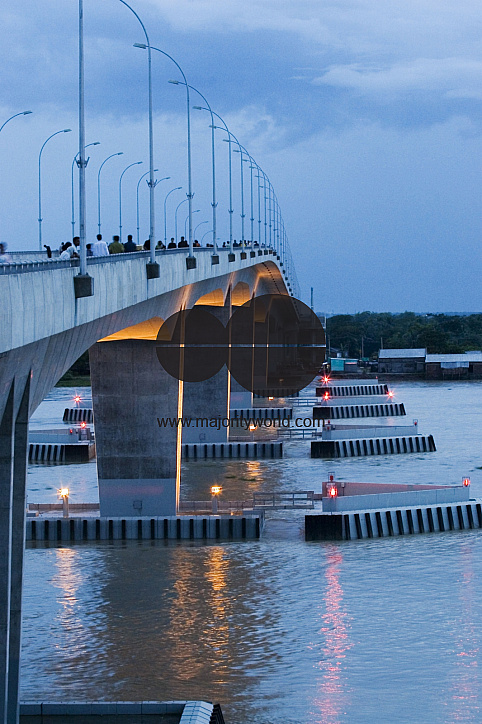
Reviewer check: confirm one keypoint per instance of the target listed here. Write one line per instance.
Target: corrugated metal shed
(454, 358)
(401, 353)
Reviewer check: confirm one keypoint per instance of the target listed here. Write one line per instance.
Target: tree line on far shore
(363, 334)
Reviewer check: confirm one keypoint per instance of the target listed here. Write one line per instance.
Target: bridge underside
(42, 333)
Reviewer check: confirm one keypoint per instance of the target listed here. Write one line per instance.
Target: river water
(279, 631)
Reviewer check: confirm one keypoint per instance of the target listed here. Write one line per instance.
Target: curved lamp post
(230, 173)
(137, 198)
(153, 269)
(65, 130)
(75, 159)
(187, 219)
(136, 163)
(120, 153)
(178, 188)
(175, 218)
(22, 113)
(197, 227)
(205, 234)
(189, 174)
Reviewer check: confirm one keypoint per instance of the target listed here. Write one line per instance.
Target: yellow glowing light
(270, 398)
(215, 489)
(64, 493)
(252, 428)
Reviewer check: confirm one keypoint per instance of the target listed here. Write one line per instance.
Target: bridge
(46, 324)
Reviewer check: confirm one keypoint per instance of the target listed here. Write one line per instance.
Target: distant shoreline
(80, 381)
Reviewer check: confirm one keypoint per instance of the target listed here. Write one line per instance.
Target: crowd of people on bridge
(71, 249)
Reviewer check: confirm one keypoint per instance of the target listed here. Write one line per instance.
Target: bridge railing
(27, 262)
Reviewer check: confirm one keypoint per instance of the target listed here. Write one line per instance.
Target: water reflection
(332, 699)
(466, 681)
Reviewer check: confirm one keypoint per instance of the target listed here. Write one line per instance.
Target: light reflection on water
(276, 630)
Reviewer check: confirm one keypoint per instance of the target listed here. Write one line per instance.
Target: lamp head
(25, 113)
(140, 45)
(175, 82)
(67, 130)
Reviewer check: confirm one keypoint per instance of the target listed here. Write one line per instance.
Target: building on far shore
(453, 366)
(402, 361)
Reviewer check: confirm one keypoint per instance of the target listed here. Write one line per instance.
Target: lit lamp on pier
(466, 482)
(63, 495)
(215, 492)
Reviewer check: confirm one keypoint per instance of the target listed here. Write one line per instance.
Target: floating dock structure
(54, 529)
(86, 414)
(262, 413)
(353, 511)
(348, 441)
(64, 445)
(185, 712)
(352, 390)
(78, 414)
(204, 450)
(357, 407)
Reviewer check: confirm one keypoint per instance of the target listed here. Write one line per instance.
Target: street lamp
(189, 175)
(137, 199)
(240, 150)
(215, 491)
(178, 188)
(175, 218)
(230, 210)
(96, 143)
(197, 227)
(120, 153)
(153, 267)
(187, 219)
(65, 130)
(22, 113)
(136, 163)
(205, 234)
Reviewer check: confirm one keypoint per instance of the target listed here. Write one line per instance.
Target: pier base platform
(387, 522)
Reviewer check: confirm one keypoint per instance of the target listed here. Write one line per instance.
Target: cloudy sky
(365, 114)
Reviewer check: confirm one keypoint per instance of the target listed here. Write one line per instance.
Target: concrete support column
(207, 401)
(240, 398)
(6, 486)
(206, 404)
(136, 408)
(19, 504)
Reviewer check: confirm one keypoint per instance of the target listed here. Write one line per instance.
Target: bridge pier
(13, 475)
(138, 458)
(208, 399)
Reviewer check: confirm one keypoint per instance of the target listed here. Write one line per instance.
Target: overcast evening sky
(365, 114)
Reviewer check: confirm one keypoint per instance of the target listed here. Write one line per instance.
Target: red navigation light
(390, 393)
(77, 399)
(326, 379)
(333, 492)
(466, 482)
(83, 424)
(326, 396)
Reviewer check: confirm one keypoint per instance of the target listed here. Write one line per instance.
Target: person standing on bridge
(4, 257)
(129, 245)
(116, 247)
(99, 247)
